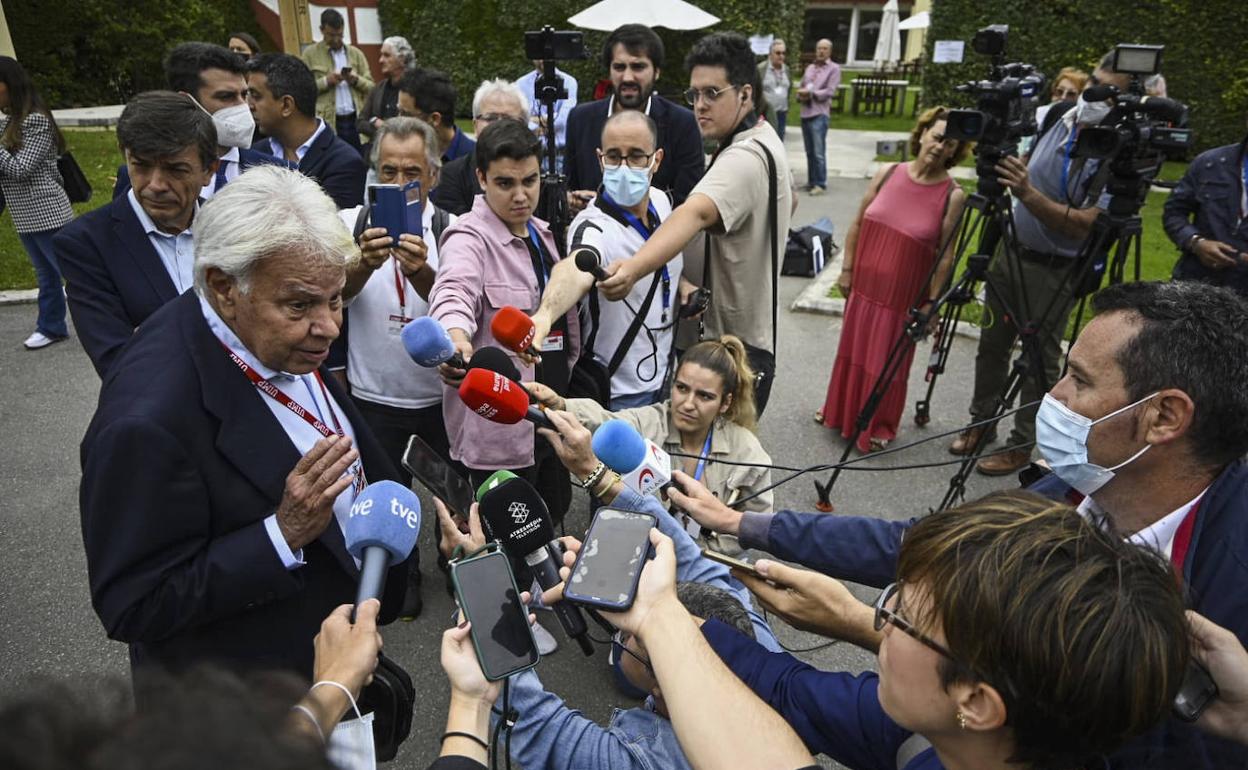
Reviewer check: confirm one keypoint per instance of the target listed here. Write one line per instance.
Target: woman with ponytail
(710, 415)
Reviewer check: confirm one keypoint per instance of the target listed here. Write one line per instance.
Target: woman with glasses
(1067, 86)
(1019, 634)
(898, 255)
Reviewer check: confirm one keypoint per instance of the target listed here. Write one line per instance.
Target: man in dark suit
(221, 463)
(281, 91)
(213, 76)
(457, 184)
(127, 258)
(633, 56)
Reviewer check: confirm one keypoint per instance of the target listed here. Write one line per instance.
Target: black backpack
(808, 248)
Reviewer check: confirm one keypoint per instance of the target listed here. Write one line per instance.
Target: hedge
(93, 52)
(1204, 61)
(474, 40)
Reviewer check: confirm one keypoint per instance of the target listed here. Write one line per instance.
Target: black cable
(786, 648)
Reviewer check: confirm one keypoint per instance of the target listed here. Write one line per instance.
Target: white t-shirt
(642, 370)
(378, 366)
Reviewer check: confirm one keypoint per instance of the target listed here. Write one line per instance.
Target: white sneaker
(40, 340)
(546, 643)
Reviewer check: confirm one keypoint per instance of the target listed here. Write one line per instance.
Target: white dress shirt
(302, 149)
(343, 103)
(230, 164)
(304, 390)
(176, 252)
(1160, 534)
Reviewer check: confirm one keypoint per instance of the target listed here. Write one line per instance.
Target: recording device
(345, 71)
(381, 530)
(1195, 694)
(733, 563)
(396, 208)
(550, 43)
(499, 399)
(1005, 107)
(512, 327)
(429, 345)
(588, 260)
(519, 519)
(609, 565)
(644, 466)
(698, 302)
(486, 591)
(428, 467)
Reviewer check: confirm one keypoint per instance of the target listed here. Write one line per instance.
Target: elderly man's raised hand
(318, 478)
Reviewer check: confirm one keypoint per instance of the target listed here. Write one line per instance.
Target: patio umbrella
(920, 20)
(888, 46)
(605, 16)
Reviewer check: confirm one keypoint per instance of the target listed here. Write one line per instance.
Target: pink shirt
(482, 266)
(822, 82)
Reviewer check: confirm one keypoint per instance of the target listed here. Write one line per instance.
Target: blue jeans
(51, 288)
(815, 137)
(631, 400)
(782, 118)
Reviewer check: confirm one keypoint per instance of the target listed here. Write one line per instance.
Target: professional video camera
(1005, 107)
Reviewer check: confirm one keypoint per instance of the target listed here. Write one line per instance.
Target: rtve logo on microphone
(519, 512)
(365, 507)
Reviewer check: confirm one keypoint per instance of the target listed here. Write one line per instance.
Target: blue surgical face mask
(626, 186)
(1062, 437)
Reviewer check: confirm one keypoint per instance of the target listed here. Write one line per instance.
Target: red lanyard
(277, 395)
(1183, 540)
(401, 288)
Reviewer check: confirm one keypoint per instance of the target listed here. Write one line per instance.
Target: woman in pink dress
(909, 210)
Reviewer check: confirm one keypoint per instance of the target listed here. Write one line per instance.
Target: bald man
(614, 226)
(818, 87)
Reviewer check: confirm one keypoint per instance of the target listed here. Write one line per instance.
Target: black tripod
(552, 202)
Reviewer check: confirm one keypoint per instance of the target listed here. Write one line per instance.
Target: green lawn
(846, 121)
(96, 151)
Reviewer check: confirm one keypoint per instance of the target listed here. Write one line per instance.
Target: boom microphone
(429, 345)
(588, 260)
(1168, 110)
(518, 517)
(514, 329)
(381, 530)
(499, 399)
(644, 466)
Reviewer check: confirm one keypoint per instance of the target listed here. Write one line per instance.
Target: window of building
(853, 28)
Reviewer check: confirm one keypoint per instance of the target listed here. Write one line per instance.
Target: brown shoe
(1005, 463)
(967, 439)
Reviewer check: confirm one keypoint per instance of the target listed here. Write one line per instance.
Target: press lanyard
(1243, 191)
(646, 232)
(400, 286)
(539, 260)
(1070, 143)
(706, 450)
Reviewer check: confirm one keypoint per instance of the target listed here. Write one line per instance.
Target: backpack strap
(441, 221)
(773, 219)
(634, 327)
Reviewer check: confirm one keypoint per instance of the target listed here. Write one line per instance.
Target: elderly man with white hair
(221, 462)
(395, 59)
(493, 99)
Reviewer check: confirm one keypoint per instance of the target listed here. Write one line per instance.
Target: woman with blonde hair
(893, 262)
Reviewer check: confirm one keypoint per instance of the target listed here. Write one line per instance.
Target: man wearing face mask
(1052, 217)
(632, 342)
(213, 77)
(1145, 434)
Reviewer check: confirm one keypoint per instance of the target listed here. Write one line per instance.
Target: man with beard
(633, 56)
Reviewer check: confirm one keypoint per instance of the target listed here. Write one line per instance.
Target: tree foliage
(1204, 62)
(475, 40)
(91, 52)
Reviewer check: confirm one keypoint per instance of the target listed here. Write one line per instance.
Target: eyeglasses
(620, 641)
(885, 615)
(1065, 93)
(489, 117)
(636, 159)
(709, 94)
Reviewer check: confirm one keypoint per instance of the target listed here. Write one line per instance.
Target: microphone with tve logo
(499, 399)
(381, 530)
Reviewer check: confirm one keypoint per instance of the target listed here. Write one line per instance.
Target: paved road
(47, 626)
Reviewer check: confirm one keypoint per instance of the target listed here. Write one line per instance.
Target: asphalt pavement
(48, 628)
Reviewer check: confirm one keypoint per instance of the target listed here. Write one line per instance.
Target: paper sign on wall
(948, 52)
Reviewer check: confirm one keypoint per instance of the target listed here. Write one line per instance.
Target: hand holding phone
(486, 592)
(740, 565)
(608, 567)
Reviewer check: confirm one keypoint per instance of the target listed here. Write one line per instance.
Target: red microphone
(499, 399)
(514, 329)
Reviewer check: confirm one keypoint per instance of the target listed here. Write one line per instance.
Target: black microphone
(588, 260)
(1100, 93)
(516, 514)
(495, 360)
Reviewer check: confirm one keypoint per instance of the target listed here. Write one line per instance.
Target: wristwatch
(1191, 242)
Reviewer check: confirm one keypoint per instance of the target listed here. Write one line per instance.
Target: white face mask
(235, 126)
(1062, 437)
(350, 745)
(1091, 113)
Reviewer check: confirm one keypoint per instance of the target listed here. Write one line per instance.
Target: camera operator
(1143, 433)
(1207, 218)
(1051, 223)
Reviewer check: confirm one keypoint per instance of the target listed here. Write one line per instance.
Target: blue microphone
(381, 530)
(643, 465)
(429, 345)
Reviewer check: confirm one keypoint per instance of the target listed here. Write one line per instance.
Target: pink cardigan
(482, 266)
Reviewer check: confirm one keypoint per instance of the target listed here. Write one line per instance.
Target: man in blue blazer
(213, 76)
(221, 461)
(127, 258)
(281, 91)
(633, 56)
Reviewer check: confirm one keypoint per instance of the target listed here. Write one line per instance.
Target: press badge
(553, 343)
(395, 324)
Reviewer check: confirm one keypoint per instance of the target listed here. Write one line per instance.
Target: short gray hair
(268, 211)
(496, 86)
(709, 602)
(403, 128)
(403, 50)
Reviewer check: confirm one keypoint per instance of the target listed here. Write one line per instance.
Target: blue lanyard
(706, 450)
(645, 236)
(1243, 193)
(542, 271)
(1070, 143)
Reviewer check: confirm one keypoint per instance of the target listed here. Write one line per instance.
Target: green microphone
(496, 479)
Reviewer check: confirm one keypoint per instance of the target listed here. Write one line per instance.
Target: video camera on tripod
(549, 46)
(1005, 107)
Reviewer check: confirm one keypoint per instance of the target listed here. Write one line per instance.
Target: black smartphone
(345, 71)
(1196, 692)
(552, 44)
(486, 591)
(438, 477)
(609, 565)
(698, 302)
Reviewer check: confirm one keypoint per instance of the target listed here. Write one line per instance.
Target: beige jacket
(728, 442)
(321, 62)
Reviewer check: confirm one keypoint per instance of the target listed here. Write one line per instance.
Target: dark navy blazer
(246, 159)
